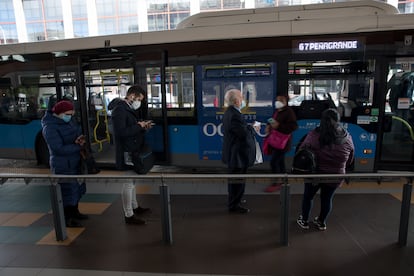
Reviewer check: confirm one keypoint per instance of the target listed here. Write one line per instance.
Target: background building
(37, 20)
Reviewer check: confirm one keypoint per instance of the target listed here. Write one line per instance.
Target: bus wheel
(42, 151)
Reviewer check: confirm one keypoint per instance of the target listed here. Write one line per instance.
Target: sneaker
(302, 223)
(320, 225)
(141, 210)
(273, 188)
(134, 220)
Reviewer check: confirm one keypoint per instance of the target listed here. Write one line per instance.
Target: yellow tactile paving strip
(92, 208)
(19, 219)
(9, 219)
(399, 197)
(50, 239)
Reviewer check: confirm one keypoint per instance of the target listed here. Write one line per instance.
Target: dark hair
(328, 127)
(136, 89)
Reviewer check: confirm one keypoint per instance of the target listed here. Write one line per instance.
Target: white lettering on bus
(328, 45)
(209, 129)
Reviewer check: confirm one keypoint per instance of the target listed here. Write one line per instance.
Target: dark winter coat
(239, 148)
(287, 123)
(332, 158)
(64, 153)
(129, 135)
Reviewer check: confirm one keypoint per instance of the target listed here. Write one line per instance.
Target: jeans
(129, 198)
(327, 193)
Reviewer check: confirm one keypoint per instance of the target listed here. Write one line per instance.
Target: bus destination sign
(339, 45)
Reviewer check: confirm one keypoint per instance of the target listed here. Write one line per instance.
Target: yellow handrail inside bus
(407, 124)
(95, 129)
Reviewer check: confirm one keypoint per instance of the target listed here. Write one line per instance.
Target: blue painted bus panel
(183, 139)
(19, 136)
(362, 139)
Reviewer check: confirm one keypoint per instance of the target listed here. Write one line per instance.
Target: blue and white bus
(357, 57)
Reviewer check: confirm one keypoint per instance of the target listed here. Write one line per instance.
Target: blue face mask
(66, 118)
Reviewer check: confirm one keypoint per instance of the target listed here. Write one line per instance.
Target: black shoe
(80, 216)
(134, 220)
(140, 210)
(239, 210)
(243, 201)
(73, 223)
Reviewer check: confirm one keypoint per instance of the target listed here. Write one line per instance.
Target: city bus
(357, 57)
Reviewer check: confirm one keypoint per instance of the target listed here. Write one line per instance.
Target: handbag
(277, 140)
(142, 160)
(88, 163)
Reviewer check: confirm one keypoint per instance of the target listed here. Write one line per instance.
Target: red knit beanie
(62, 106)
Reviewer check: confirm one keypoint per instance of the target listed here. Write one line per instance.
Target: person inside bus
(334, 150)
(129, 134)
(65, 140)
(284, 120)
(237, 149)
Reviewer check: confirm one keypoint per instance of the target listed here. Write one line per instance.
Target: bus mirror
(387, 123)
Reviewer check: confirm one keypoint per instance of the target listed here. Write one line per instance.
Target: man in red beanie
(65, 140)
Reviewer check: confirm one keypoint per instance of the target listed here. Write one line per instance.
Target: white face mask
(243, 104)
(279, 104)
(136, 104)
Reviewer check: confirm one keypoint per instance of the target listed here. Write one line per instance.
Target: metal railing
(166, 222)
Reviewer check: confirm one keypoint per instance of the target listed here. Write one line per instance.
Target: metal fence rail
(166, 222)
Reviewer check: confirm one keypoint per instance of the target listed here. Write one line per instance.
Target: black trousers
(236, 187)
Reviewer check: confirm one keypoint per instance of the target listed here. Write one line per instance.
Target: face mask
(279, 104)
(136, 104)
(66, 118)
(243, 104)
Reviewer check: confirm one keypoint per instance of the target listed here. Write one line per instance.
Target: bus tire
(42, 151)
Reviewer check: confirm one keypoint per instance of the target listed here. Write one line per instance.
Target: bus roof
(313, 19)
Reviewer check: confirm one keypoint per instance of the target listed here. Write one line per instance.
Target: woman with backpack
(334, 151)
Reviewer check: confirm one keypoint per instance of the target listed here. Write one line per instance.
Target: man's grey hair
(231, 96)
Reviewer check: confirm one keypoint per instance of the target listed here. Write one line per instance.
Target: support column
(57, 211)
(405, 213)
(284, 213)
(166, 213)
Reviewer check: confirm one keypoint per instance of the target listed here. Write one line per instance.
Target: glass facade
(79, 18)
(8, 31)
(58, 19)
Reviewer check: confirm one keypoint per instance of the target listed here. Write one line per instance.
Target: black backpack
(304, 161)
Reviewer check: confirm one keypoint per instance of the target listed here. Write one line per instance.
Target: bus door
(104, 82)
(172, 110)
(346, 85)
(397, 143)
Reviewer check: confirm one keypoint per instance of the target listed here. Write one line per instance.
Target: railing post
(57, 210)
(166, 213)
(284, 213)
(405, 213)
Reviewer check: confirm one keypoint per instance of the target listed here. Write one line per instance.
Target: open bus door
(397, 139)
(102, 81)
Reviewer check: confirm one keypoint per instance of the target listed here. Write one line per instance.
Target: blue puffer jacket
(64, 154)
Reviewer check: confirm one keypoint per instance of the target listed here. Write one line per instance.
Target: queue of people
(331, 143)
